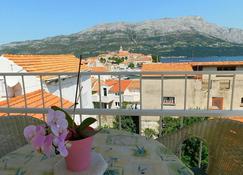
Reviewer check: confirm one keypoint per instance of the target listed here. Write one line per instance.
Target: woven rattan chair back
(224, 139)
(11, 132)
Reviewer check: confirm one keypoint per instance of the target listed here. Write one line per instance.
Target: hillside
(184, 36)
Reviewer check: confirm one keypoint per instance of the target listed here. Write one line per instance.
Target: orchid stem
(77, 86)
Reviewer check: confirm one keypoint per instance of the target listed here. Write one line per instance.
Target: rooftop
(114, 84)
(218, 63)
(167, 67)
(99, 69)
(46, 63)
(134, 85)
(34, 100)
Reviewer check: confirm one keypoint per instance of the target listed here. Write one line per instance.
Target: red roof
(240, 119)
(218, 63)
(115, 85)
(34, 100)
(96, 86)
(47, 63)
(167, 67)
(134, 85)
(99, 69)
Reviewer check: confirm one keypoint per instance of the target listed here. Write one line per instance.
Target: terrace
(221, 131)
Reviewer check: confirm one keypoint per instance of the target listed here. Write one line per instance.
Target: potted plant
(68, 139)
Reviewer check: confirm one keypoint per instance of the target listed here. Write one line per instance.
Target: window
(218, 103)
(226, 68)
(117, 103)
(197, 68)
(224, 84)
(105, 91)
(241, 100)
(105, 105)
(169, 100)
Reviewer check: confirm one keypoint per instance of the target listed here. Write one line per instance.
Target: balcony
(195, 107)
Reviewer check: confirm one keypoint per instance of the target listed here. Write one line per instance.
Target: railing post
(232, 93)
(6, 91)
(60, 90)
(42, 96)
(120, 102)
(141, 104)
(25, 99)
(185, 93)
(99, 83)
(209, 87)
(162, 105)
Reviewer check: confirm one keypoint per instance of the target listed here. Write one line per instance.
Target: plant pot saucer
(98, 166)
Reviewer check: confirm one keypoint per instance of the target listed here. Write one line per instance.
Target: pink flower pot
(79, 155)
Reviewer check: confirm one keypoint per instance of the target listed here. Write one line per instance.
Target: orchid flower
(57, 122)
(59, 128)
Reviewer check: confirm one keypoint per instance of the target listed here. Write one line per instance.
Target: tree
(150, 133)
(190, 148)
(190, 153)
(102, 60)
(127, 124)
(131, 65)
(172, 124)
(155, 58)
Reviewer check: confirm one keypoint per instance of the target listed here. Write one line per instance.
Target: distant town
(109, 87)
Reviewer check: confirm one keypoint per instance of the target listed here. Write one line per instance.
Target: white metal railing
(129, 112)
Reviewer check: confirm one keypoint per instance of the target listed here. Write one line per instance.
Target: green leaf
(88, 133)
(87, 122)
(71, 123)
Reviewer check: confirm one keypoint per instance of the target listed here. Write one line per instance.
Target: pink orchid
(59, 142)
(29, 132)
(38, 140)
(36, 135)
(46, 147)
(62, 149)
(55, 133)
(57, 122)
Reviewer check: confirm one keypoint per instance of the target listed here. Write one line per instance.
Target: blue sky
(32, 19)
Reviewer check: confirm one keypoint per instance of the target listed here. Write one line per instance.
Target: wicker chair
(224, 139)
(11, 132)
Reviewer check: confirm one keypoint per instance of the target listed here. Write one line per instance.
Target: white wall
(132, 96)
(68, 92)
(32, 83)
(69, 88)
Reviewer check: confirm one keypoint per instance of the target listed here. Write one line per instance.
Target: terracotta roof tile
(95, 85)
(240, 119)
(34, 100)
(135, 85)
(47, 63)
(115, 85)
(99, 69)
(167, 67)
(123, 53)
(217, 63)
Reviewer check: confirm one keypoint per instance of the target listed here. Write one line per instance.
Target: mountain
(183, 36)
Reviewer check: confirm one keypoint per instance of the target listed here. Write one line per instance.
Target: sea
(201, 59)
